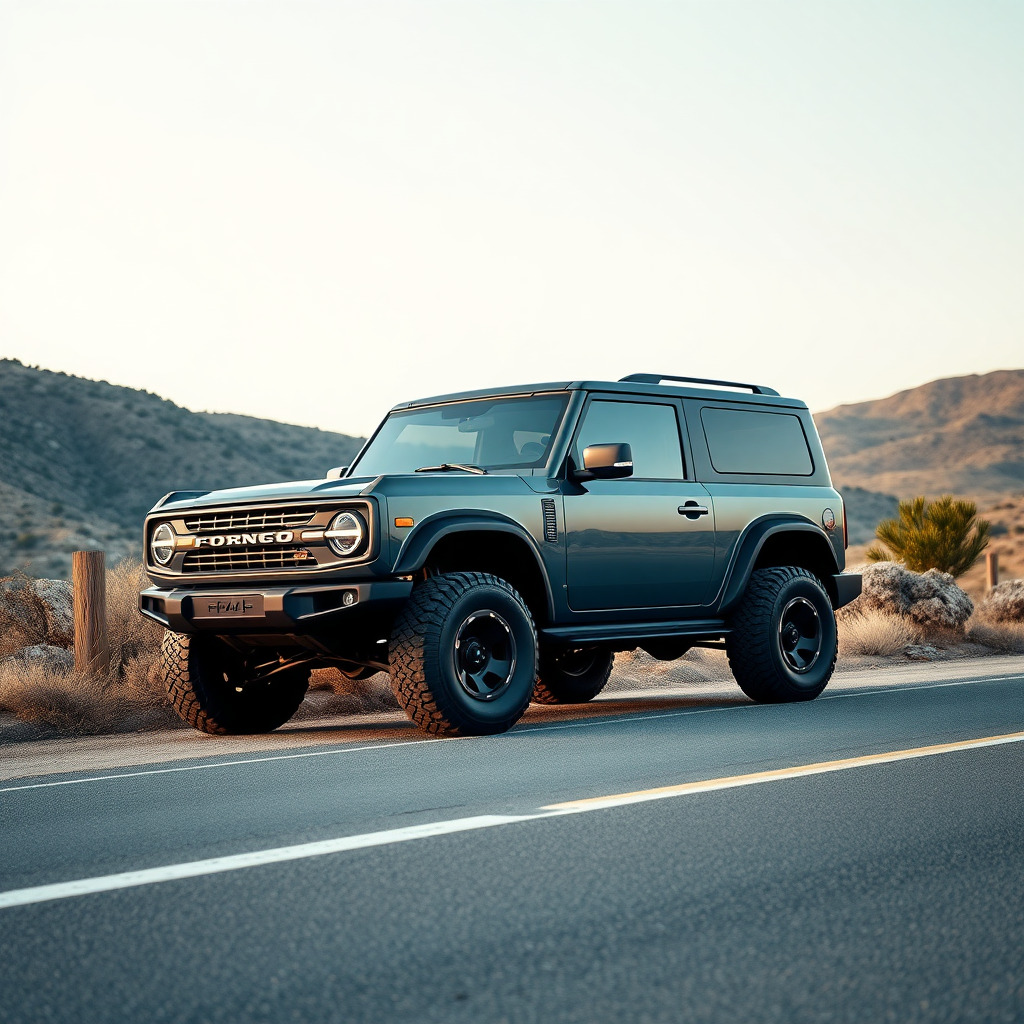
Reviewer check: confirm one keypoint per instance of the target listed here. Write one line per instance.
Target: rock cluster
(1005, 602)
(35, 612)
(931, 599)
(58, 659)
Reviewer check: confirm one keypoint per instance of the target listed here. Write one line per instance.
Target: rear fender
(814, 552)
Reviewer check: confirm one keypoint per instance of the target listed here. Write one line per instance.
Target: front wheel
(572, 676)
(463, 655)
(783, 643)
(210, 687)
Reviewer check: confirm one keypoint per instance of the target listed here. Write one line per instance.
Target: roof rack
(657, 378)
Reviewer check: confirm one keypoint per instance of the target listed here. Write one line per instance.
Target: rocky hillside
(82, 461)
(961, 435)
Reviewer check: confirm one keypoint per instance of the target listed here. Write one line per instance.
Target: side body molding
(418, 545)
(753, 540)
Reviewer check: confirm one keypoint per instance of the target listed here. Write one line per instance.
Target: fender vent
(550, 522)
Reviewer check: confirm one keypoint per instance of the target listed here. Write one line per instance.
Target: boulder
(931, 599)
(39, 611)
(1005, 602)
(57, 659)
(55, 598)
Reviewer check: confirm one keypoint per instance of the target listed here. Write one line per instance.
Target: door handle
(692, 510)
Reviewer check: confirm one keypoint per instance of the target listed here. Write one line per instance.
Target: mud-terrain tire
(202, 673)
(463, 655)
(571, 677)
(783, 643)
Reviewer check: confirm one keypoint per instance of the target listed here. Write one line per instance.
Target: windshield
(502, 433)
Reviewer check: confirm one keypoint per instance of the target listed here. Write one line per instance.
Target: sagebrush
(944, 534)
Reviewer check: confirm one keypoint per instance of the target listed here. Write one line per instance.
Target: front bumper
(247, 609)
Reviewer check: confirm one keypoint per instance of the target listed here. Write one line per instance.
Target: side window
(652, 431)
(756, 442)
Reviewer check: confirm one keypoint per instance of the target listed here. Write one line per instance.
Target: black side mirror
(606, 462)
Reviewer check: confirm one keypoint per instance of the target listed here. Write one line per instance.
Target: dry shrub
(134, 639)
(1000, 635)
(875, 633)
(79, 703)
(131, 696)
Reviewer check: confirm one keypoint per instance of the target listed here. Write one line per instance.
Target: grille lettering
(220, 540)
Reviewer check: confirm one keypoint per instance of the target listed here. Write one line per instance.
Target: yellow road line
(733, 781)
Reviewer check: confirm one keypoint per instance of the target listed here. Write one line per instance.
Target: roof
(624, 387)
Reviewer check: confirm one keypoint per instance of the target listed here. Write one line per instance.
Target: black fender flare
(417, 547)
(749, 546)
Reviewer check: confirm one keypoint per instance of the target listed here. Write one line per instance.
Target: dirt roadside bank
(43, 757)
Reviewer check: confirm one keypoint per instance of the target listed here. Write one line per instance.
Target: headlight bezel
(347, 540)
(162, 539)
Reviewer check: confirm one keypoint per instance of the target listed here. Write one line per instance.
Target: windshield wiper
(447, 466)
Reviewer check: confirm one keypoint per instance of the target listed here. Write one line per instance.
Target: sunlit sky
(311, 211)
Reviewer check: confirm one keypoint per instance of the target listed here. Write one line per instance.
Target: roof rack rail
(657, 378)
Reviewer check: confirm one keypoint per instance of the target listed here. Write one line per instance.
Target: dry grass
(874, 633)
(131, 696)
(1005, 637)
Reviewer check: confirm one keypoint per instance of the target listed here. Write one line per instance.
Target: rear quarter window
(770, 443)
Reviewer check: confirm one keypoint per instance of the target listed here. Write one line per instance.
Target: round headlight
(161, 546)
(346, 533)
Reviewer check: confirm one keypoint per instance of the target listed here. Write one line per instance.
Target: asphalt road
(883, 891)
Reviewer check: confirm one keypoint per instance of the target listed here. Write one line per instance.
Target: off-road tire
(755, 646)
(195, 667)
(562, 682)
(422, 655)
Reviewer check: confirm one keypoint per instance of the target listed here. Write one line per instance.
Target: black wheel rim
(577, 662)
(800, 635)
(485, 655)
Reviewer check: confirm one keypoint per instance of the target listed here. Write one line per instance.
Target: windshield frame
(556, 449)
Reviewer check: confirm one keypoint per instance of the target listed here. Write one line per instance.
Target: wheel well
(501, 554)
(801, 548)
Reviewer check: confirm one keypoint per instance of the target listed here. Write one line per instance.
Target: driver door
(629, 543)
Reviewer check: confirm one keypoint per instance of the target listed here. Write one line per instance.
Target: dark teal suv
(496, 547)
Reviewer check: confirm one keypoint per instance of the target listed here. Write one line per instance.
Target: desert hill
(82, 461)
(960, 435)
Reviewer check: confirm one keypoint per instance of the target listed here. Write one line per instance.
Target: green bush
(945, 534)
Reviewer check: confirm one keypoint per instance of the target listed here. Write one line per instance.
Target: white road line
(527, 730)
(235, 862)
(303, 851)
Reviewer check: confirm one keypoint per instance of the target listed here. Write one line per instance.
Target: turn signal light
(403, 521)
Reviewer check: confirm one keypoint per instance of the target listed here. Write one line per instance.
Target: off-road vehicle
(496, 547)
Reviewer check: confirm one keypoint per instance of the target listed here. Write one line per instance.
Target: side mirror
(336, 474)
(606, 462)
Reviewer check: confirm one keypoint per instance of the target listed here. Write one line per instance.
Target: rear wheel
(783, 642)
(211, 688)
(463, 655)
(572, 676)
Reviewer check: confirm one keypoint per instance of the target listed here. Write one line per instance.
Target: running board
(698, 629)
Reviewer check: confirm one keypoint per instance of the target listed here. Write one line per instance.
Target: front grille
(251, 519)
(243, 559)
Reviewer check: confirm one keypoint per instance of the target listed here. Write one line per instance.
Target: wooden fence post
(89, 586)
(991, 570)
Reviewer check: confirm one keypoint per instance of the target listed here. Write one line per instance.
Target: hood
(270, 492)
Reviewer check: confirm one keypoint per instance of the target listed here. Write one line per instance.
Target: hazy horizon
(310, 211)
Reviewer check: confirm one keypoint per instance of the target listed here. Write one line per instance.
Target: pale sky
(312, 211)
